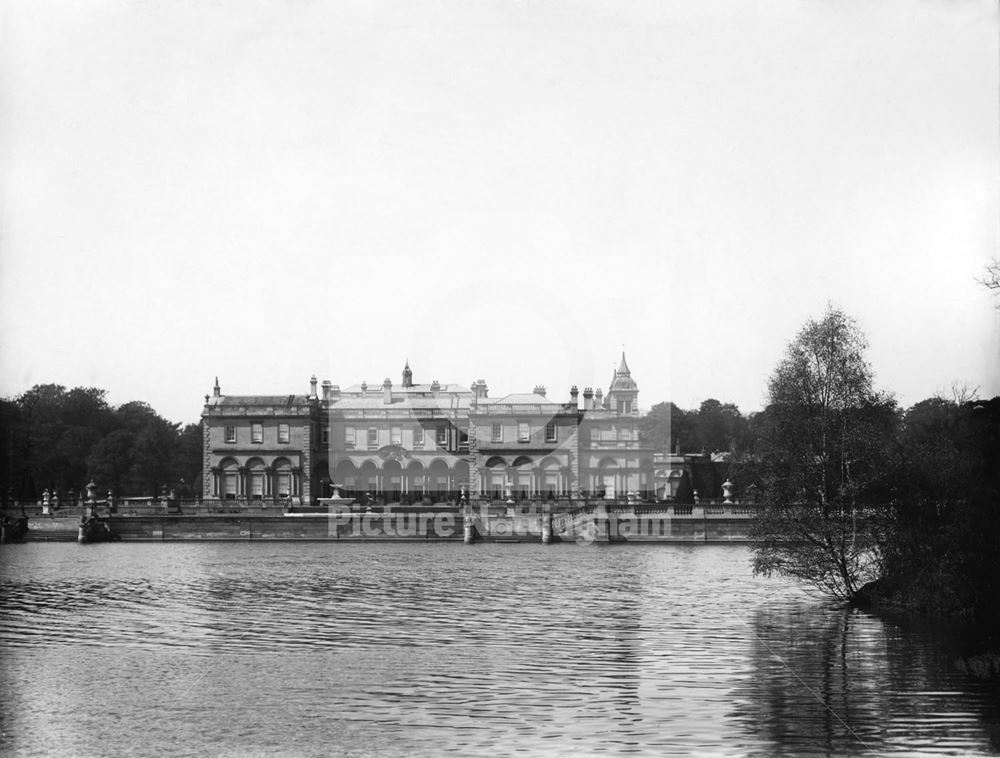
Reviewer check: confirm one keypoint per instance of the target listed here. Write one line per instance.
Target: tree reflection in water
(836, 681)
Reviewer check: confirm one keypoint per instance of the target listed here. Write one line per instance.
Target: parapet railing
(558, 507)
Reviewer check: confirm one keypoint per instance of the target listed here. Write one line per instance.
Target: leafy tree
(57, 431)
(41, 427)
(718, 427)
(57, 439)
(154, 455)
(942, 556)
(664, 427)
(657, 429)
(188, 460)
(111, 460)
(87, 407)
(13, 480)
(826, 435)
(714, 427)
(685, 492)
(136, 416)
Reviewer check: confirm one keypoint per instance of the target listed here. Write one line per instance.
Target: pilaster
(307, 463)
(206, 460)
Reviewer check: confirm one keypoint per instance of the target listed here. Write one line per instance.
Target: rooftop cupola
(216, 390)
(623, 393)
(407, 375)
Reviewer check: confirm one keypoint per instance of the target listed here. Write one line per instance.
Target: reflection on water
(872, 687)
(309, 649)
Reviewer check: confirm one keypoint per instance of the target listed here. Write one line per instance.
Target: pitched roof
(623, 368)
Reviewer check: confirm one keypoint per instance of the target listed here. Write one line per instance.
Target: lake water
(315, 649)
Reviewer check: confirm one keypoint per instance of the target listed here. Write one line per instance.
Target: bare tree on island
(819, 466)
(991, 278)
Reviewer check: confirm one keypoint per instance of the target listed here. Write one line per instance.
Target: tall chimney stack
(387, 391)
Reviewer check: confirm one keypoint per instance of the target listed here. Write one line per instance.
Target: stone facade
(432, 442)
(258, 448)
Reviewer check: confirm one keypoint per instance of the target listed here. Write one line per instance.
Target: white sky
(507, 190)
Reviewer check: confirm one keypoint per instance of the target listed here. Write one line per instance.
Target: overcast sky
(513, 191)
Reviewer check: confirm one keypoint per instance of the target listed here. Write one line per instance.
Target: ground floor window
(496, 485)
(230, 486)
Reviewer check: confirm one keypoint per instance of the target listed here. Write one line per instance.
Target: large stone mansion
(429, 442)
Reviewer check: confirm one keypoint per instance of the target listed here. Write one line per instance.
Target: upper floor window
(497, 433)
(418, 437)
(550, 432)
(230, 433)
(396, 436)
(372, 438)
(348, 437)
(442, 436)
(627, 406)
(256, 433)
(324, 435)
(284, 434)
(624, 433)
(523, 432)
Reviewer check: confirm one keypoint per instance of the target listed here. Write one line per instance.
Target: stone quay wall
(592, 524)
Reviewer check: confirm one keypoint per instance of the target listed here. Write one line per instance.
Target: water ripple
(317, 649)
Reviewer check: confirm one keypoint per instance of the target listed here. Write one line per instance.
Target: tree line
(856, 496)
(57, 439)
